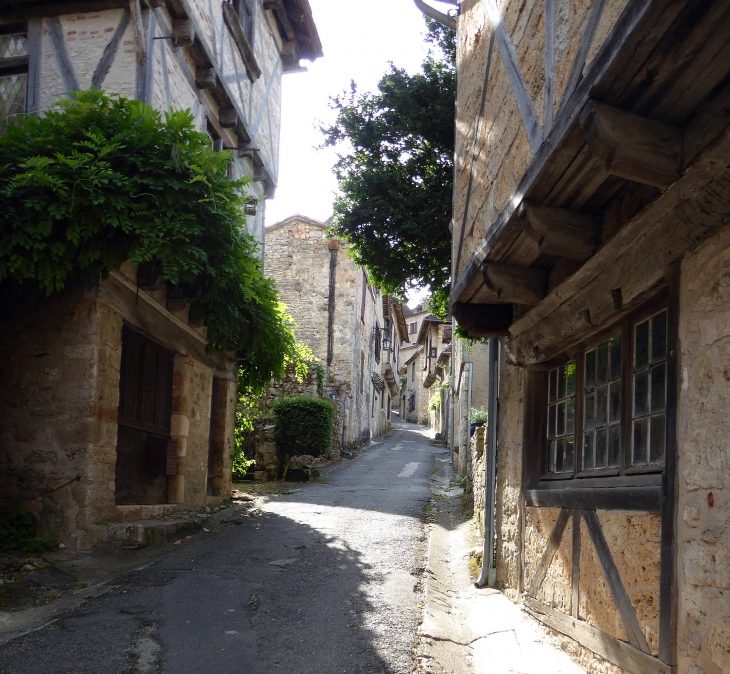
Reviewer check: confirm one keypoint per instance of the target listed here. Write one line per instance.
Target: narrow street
(325, 580)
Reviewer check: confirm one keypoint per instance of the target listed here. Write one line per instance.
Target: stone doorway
(143, 436)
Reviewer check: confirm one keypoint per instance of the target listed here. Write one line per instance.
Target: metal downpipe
(490, 473)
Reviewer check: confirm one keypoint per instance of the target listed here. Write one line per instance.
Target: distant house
(354, 329)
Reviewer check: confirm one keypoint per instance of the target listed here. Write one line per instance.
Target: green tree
(395, 172)
(104, 179)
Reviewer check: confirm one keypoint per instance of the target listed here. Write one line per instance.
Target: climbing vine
(104, 179)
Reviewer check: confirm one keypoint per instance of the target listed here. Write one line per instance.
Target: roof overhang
(298, 32)
(630, 176)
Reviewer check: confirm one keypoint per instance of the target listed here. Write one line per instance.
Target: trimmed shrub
(303, 425)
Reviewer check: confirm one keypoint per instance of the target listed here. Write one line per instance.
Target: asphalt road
(325, 580)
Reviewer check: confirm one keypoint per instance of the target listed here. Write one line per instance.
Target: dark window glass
(614, 446)
(602, 408)
(602, 365)
(561, 418)
(641, 393)
(13, 78)
(658, 387)
(659, 337)
(590, 370)
(641, 353)
(615, 345)
(640, 442)
(650, 391)
(601, 448)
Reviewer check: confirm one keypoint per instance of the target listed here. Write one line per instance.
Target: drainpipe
(488, 571)
(451, 390)
(333, 246)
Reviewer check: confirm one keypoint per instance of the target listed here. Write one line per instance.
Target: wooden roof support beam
(205, 78)
(633, 147)
(228, 118)
(484, 320)
(561, 232)
(512, 283)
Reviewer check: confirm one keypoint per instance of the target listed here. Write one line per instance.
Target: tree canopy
(395, 172)
(104, 179)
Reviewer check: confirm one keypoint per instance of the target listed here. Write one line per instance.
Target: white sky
(359, 37)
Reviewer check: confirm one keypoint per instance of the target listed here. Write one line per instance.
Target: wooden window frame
(16, 65)
(638, 486)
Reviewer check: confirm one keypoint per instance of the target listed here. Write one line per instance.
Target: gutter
(440, 17)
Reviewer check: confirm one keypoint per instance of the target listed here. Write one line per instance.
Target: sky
(359, 38)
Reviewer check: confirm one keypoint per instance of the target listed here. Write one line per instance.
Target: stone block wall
(703, 513)
(298, 258)
(59, 361)
(495, 145)
(60, 358)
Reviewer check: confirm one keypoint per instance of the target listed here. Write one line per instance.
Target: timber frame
(629, 176)
(625, 173)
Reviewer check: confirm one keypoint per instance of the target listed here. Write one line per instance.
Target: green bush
(17, 532)
(303, 425)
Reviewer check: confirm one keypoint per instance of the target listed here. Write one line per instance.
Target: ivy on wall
(103, 179)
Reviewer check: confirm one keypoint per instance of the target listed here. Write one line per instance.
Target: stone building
(414, 398)
(112, 408)
(353, 329)
(591, 236)
(434, 336)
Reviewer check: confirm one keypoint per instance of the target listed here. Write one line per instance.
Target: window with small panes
(606, 406)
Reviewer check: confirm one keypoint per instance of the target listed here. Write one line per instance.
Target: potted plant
(477, 417)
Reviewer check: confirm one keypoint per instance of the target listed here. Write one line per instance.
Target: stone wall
(510, 500)
(60, 360)
(298, 258)
(167, 78)
(503, 149)
(703, 514)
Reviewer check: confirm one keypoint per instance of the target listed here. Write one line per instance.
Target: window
(561, 419)
(648, 437)
(433, 352)
(607, 407)
(216, 140)
(245, 16)
(412, 328)
(13, 76)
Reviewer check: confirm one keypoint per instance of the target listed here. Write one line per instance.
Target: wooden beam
(633, 147)
(641, 499)
(278, 7)
(521, 285)
(228, 117)
(205, 78)
(484, 320)
(575, 570)
(239, 38)
(561, 232)
(614, 650)
(556, 535)
(183, 32)
(615, 584)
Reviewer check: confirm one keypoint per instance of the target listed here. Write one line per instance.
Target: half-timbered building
(591, 236)
(112, 408)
